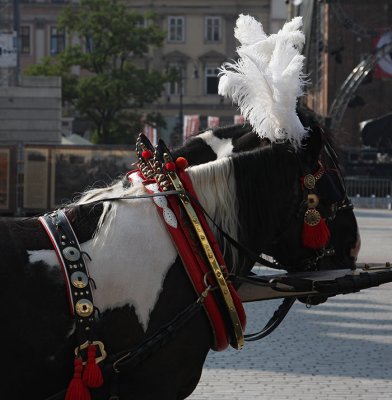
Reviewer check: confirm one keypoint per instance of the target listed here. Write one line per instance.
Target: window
(142, 22)
(175, 87)
(212, 29)
(176, 29)
(57, 40)
(211, 80)
(25, 40)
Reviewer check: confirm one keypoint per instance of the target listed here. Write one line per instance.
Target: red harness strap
(191, 254)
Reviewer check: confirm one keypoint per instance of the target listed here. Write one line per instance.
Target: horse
(218, 142)
(257, 197)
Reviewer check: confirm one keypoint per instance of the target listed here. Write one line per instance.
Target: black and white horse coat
(254, 196)
(216, 143)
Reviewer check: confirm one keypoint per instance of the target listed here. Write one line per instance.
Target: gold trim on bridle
(212, 261)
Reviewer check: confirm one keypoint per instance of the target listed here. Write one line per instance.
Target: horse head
(270, 203)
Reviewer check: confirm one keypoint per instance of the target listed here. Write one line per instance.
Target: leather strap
(76, 276)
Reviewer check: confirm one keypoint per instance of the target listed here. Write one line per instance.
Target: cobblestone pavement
(341, 349)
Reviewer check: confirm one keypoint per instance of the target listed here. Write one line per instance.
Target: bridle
(312, 263)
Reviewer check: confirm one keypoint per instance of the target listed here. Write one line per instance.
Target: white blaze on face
(221, 147)
(130, 258)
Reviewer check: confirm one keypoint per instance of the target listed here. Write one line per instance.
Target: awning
(75, 139)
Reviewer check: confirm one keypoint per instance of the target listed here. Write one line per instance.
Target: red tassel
(92, 374)
(315, 236)
(77, 389)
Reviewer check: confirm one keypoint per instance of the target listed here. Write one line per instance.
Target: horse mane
(216, 192)
(267, 188)
(113, 190)
(258, 185)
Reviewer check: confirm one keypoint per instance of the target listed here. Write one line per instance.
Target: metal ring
(71, 253)
(79, 279)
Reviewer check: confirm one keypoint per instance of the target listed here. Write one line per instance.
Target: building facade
(347, 86)
(199, 38)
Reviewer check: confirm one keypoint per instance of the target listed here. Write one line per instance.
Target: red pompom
(316, 236)
(92, 374)
(181, 163)
(77, 389)
(147, 154)
(170, 166)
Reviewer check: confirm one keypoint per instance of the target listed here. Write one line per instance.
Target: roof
(75, 139)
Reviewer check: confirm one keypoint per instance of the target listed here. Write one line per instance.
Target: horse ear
(313, 144)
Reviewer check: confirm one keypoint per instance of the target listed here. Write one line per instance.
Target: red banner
(151, 134)
(191, 125)
(212, 122)
(383, 68)
(239, 120)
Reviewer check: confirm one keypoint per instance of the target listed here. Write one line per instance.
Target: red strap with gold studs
(196, 245)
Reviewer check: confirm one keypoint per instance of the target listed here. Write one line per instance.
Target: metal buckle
(85, 345)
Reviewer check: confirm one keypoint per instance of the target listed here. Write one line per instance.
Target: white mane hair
(213, 183)
(109, 211)
(215, 187)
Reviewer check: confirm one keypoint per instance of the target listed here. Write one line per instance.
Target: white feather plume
(267, 79)
(248, 30)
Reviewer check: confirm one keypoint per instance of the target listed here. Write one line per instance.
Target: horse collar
(80, 297)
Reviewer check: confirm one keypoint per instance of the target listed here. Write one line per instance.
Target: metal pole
(19, 178)
(181, 109)
(290, 10)
(16, 25)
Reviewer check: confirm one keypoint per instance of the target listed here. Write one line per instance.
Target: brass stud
(312, 217)
(313, 200)
(309, 181)
(84, 308)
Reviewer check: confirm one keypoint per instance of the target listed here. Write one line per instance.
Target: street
(341, 349)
